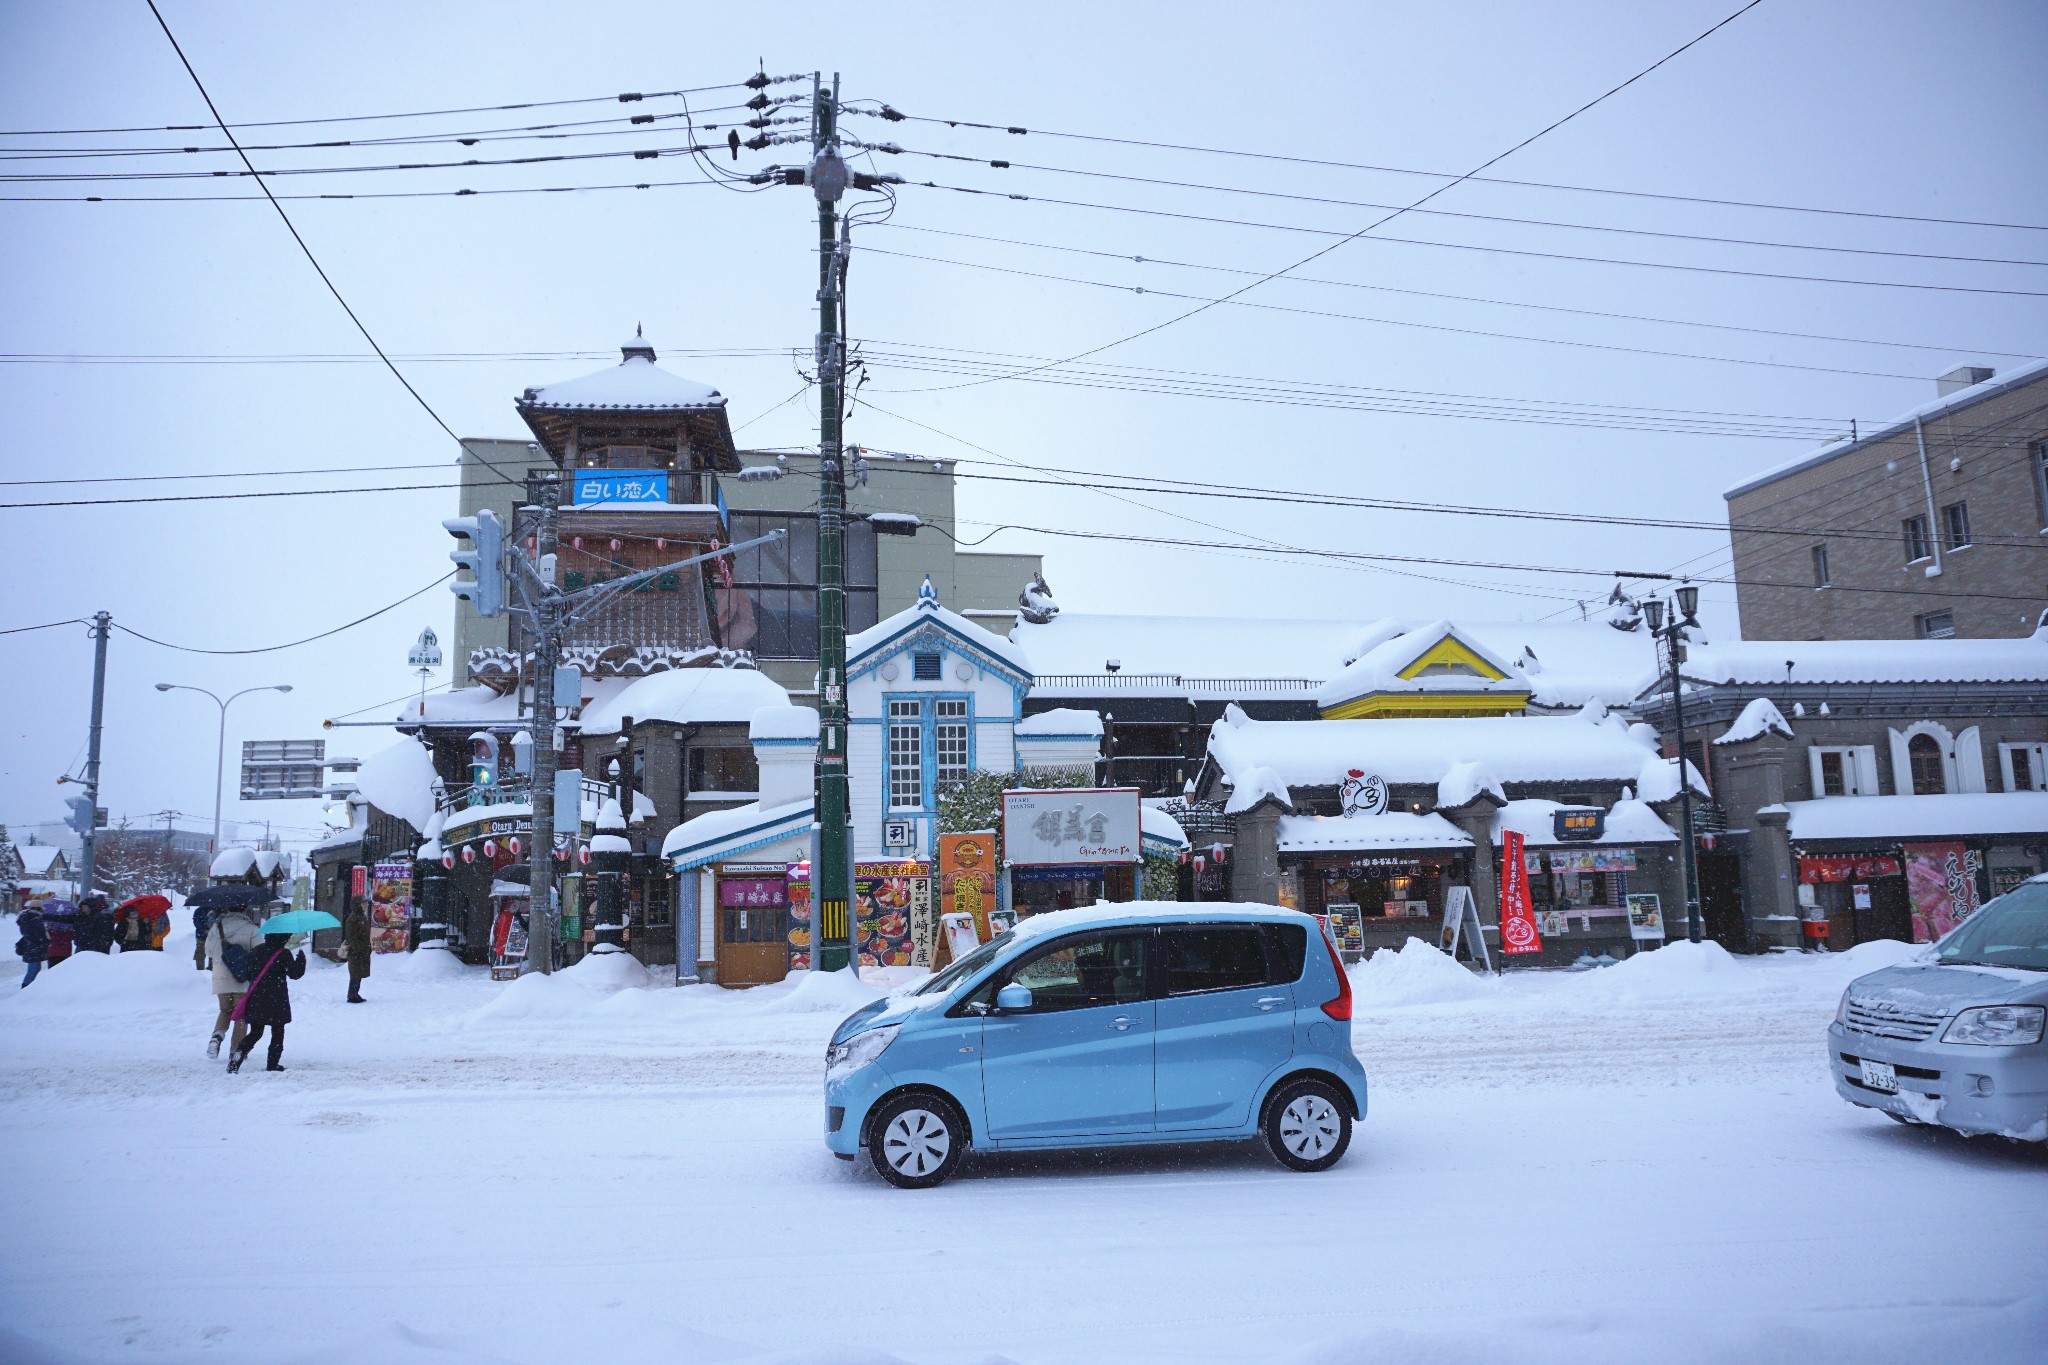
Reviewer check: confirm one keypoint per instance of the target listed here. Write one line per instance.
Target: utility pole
(830, 872)
(101, 629)
(547, 737)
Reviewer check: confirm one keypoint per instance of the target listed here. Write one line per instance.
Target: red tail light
(1340, 1006)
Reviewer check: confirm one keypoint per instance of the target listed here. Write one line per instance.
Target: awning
(1369, 833)
(723, 834)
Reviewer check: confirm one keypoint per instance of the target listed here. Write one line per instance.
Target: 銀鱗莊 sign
(1071, 825)
(620, 485)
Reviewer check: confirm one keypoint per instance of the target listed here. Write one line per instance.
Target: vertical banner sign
(967, 877)
(390, 907)
(1942, 880)
(889, 897)
(1517, 921)
(798, 876)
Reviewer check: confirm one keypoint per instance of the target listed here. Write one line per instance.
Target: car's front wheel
(1307, 1126)
(916, 1141)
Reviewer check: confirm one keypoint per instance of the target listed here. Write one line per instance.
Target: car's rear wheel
(916, 1141)
(1307, 1126)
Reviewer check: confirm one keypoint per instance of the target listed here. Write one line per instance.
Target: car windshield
(965, 967)
(2011, 931)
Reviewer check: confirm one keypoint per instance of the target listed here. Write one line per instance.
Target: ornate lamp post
(1669, 627)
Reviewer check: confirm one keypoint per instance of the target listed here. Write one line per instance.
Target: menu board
(798, 877)
(1645, 917)
(1347, 927)
(390, 907)
(888, 898)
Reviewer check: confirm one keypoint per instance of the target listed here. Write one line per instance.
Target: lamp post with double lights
(221, 748)
(1668, 623)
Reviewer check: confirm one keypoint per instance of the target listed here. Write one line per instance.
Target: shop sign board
(967, 880)
(1859, 896)
(1846, 867)
(1094, 825)
(1363, 793)
(1578, 823)
(1645, 917)
(1517, 918)
(888, 898)
(1941, 878)
(390, 907)
(1461, 924)
(596, 486)
(899, 833)
(1347, 927)
(1594, 860)
(570, 889)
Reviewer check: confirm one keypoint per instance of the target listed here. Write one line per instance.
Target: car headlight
(1997, 1025)
(857, 1051)
(1842, 1008)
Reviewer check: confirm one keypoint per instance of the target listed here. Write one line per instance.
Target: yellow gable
(1450, 657)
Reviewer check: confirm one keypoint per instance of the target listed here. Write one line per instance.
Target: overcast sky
(1887, 108)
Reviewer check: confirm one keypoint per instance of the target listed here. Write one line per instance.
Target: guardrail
(1168, 682)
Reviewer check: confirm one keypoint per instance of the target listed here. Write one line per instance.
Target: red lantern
(576, 541)
(583, 855)
(490, 848)
(615, 542)
(513, 845)
(661, 542)
(468, 854)
(448, 860)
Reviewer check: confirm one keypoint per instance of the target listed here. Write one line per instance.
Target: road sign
(283, 769)
(426, 651)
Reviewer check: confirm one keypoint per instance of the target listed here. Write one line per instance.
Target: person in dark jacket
(33, 947)
(268, 1002)
(202, 920)
(96, 927)
(355, 937)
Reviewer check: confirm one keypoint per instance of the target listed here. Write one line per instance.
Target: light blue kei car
(1108, 1026)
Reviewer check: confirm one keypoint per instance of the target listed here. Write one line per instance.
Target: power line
(1320, 252)
(291, 644)
(639, 154)
(310, 258)
(47, 625)
(355, 194)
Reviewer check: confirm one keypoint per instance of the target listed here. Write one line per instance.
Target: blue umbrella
(300, 922)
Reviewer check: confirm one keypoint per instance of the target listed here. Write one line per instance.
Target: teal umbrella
(300, 922)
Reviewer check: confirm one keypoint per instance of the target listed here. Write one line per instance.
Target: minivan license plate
(1880, 1076)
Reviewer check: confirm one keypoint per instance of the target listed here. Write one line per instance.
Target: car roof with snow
(1104, 915)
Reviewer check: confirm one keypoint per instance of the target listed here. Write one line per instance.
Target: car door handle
(1122, 1023)
(1266, 1002)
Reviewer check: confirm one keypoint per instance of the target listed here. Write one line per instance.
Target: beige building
(1932, 526)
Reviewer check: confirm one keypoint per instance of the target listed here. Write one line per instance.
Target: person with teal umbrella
(268, 1001)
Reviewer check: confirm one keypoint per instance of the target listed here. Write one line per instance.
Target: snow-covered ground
(1643, 1163)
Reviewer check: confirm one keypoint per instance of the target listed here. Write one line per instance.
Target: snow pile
(1415, 974)
(426, 964)
(1254, 785)
(400, 781)
(568, 994)
(784, 722)
(1062, 722)
(1677, 971)
(686, 696)
(609, 972)
(1463, 782)
(826, 992)
(1759, 718)
(89, 988)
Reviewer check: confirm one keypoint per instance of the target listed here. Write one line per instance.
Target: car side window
(1286, 952)
(1216, 958)
(1081, 973)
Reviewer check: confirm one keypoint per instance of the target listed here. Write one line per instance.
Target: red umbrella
(149, 907)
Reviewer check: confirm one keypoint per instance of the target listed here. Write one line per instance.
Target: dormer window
(924, 667)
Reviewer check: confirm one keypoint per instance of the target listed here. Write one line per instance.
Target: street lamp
(1683, 612)
(221, 750)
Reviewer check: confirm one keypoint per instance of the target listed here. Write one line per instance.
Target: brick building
(1930, 526)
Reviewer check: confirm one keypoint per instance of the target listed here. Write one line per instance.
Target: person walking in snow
(268, 1002)
(202, 920)
(355, 937)
(96, 928)
(33, 947)
(231, 942)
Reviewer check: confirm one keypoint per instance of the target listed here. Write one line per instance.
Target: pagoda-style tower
(640, 450)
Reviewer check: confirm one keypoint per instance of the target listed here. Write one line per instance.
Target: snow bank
(609, 972)
(426, 964)
(1417, 973)
(1678, 971)
(568, 994)
(90, 987)
(825, 992)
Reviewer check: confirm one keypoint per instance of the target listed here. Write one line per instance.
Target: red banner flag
(1517, 920)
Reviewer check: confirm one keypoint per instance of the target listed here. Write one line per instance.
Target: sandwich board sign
(1461, 923)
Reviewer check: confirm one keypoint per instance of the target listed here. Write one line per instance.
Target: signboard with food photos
(390, 907)
(888, 898)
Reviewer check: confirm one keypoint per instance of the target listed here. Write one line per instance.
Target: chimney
(1962, 377)
(785, 740)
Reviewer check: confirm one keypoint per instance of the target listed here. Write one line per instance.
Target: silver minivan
(1958, 1038)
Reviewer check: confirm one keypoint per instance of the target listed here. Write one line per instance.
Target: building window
(2025, 766)
(1918, 546)
(771, 607)
(722, 768)
(1924, 753)
(2041, 480)
(906, 755)
(949, 747)
(1834, 777)
(1937, 625)
(1821, 578)
(1955, 524)
(924, 667)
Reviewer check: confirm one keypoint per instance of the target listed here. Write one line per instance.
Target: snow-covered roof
(1249, 786)
(1947, 403)
(1391, 829)
(1159, 832)
(1908, 817)
(400, 781)
(1320, 753)
(726, 833)
(1463, 782)
(1766, 663)
(37, 859)
(927, 614)
(686, 696)
(351, 833)
(1379, 668)
(1758, 718)
(1061, 722)
(232, 862)
(635, 383)
(784, 723)
(1628, 822)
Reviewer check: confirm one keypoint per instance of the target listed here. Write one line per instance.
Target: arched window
(1928, 777)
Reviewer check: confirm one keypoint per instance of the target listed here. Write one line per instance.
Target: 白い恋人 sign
(595, 486)
(1093, 825)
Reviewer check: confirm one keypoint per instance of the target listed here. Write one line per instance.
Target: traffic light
(81, 819)
(485, 588)
(483, 759)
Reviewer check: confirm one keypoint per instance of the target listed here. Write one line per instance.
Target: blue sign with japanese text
(596, 486)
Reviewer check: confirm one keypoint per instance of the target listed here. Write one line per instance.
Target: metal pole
(100, 631)
(835, 926)
(547, 652)
(1693, 929)
(220, 767)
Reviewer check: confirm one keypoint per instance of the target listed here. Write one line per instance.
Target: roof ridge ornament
(638, 348)
(927, 595)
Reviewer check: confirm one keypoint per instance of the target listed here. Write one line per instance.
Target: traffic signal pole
(101, 629)
(541, 914)
(831, 871)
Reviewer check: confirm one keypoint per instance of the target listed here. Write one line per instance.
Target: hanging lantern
(576, 541)
(490, 848)
(448, 860)
(583, 856)
(661, 542)
(615, 543)
(512, 844)
(468, 853)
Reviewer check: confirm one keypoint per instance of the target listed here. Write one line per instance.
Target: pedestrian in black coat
(33, 947)
(96, 928)
(268, 1002)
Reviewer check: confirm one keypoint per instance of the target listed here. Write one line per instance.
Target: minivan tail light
(1338, 1007)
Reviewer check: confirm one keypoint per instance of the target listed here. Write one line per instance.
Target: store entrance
(753, 930)
(1720, 880)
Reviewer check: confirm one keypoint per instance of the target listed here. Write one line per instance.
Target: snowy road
(1644, 1163)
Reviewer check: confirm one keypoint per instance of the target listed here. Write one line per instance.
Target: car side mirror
(1013, 999)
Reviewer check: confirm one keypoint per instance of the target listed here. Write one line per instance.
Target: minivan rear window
(1218, 958)
(1287, 947)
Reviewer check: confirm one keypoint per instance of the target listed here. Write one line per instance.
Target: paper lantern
(490, 848)
(513, 845)
(468, 854)
(448, 860)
